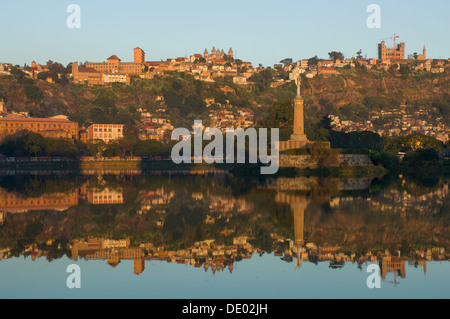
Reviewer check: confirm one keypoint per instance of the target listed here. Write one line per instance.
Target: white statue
(298, 81)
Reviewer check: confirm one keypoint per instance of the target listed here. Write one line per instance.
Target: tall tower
(75, 71)
(139, 55)
(382, 51)
(400, 53)
(299, 125)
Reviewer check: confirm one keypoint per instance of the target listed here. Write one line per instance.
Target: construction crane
(395, 37)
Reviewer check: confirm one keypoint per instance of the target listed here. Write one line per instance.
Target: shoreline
(67, 166)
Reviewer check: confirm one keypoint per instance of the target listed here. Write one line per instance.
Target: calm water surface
(221, 236)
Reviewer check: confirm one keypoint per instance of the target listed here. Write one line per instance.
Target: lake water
(176, 235)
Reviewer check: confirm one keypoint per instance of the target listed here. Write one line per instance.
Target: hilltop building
(385, 53)
(93, 77)
(217, 54)
(423, 56)
(112, 71)
(115, 65)
(86, 75)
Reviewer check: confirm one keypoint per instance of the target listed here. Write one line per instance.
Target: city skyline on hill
(260, 32)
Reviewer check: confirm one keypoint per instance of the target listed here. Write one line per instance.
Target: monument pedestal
(294, 145)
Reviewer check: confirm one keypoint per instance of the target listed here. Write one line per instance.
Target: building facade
(105, 196)
(105, 132)
(115, 65)
(86, 75)
(47, 127)
(112, 71)
(12, 203)
(110, 78)
(385, 53)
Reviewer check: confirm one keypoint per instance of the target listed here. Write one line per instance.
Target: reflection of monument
(298, 138)
(298, 206)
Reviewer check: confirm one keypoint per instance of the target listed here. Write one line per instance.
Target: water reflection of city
(299, 220)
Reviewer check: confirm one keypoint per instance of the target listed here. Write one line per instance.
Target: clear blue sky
(260, 31)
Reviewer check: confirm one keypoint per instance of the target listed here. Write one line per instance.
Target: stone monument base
(294, 144)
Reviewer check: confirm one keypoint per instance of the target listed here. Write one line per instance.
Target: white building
(105, 132)
(240, 80)
(109, 78)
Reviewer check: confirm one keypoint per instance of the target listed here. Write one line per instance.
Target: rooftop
(30, 119)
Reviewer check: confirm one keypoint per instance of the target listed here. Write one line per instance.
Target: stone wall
(355, 160)
(305, 161)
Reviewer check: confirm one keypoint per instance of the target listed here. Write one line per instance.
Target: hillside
(184, 97)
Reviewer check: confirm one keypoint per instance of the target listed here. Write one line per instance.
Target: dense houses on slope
(396, 122)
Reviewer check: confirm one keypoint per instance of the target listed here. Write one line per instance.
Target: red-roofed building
(196, 57)
(219, 61)
(115, 65)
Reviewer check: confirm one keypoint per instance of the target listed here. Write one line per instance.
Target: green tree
(287, 61)
(33, 93)
(56, 70)
(359, 54)
(96, 147)
(336, 55)
(313, 61)
(60, 147)
(263, 79)
(44, 75)
(35, 144)
(17, 73)
(280, 115)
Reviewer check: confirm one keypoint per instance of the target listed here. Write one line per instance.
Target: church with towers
(217, 54)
